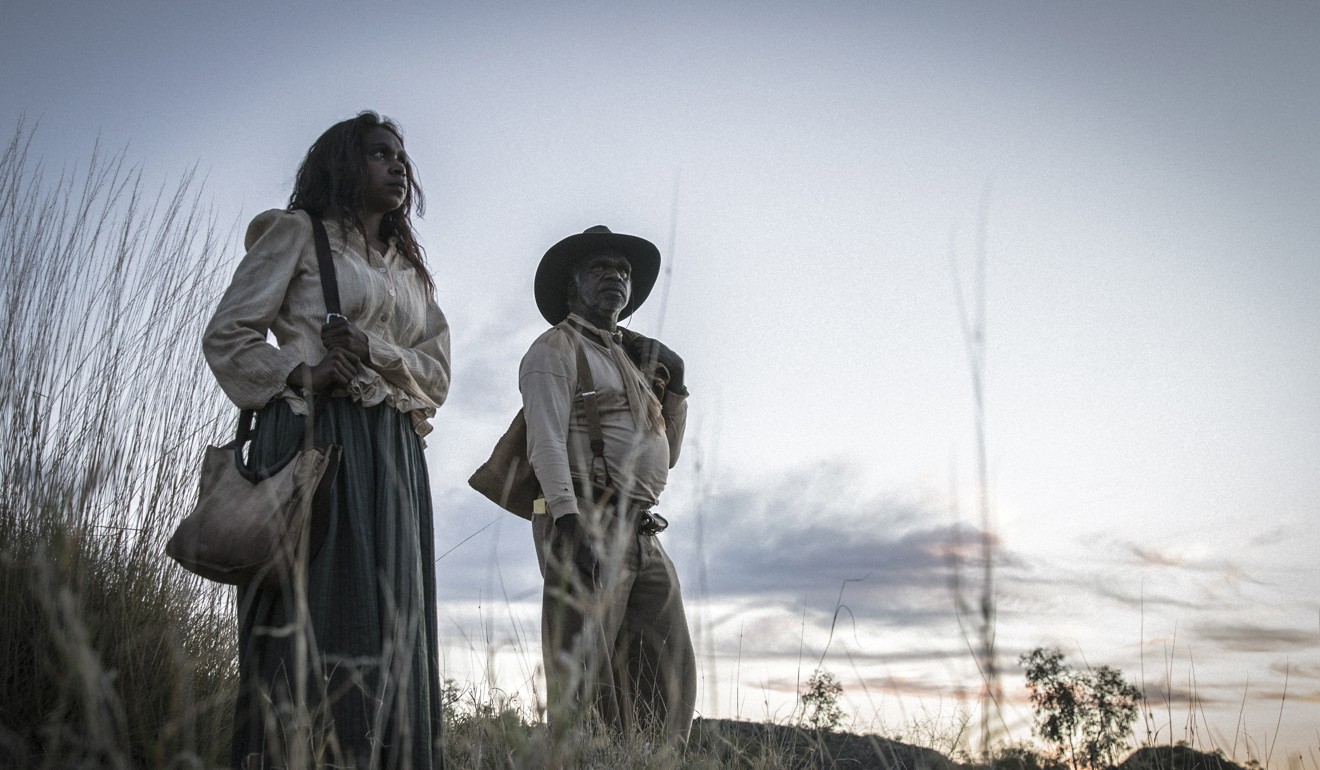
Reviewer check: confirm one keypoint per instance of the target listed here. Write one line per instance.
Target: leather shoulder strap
(329, 283)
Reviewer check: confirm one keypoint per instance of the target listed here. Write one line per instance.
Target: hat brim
(556, 268)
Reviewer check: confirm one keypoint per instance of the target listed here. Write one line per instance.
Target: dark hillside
(1176, 758)
(730, 740)
(809, 749)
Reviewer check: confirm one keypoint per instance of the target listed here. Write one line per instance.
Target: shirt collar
(585, 326)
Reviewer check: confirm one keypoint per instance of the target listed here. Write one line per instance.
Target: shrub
(820, 702)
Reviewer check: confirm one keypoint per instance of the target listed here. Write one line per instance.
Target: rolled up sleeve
(546, 380)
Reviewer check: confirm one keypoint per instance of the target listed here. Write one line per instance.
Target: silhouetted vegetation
(1086, 715)
(820, 702)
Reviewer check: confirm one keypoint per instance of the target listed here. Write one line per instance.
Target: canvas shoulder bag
(507, 478)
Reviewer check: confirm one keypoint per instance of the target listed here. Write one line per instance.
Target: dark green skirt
(369, 695)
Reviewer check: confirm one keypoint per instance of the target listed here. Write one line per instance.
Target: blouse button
(391, 292)
(381, 269)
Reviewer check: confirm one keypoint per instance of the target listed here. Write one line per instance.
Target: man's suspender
(591, 410)
(650, 522)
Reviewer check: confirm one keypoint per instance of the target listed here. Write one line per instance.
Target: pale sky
(1151, 185)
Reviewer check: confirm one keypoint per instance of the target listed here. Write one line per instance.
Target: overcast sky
(1144, 180)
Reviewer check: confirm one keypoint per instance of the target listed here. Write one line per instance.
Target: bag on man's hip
(507, 478)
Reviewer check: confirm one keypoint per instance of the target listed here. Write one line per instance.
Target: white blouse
(277, 289)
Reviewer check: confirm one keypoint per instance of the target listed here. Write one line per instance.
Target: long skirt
(346, 673)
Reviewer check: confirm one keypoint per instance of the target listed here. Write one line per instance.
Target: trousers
(619, 650)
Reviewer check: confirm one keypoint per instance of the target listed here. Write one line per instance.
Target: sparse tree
(1086, 715)
(820, 702)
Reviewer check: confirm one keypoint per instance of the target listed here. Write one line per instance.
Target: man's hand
(569, 543)
(339, 332)
(647, 352)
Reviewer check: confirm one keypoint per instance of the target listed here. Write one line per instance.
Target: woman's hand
(340, 333)
(337, 369)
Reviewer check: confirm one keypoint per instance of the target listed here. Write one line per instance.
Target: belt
(649, 523)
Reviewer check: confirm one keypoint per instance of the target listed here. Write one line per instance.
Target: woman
(356, 683)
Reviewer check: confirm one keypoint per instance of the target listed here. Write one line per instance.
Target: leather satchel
(507, 478)
(250, 524)
(253, 524)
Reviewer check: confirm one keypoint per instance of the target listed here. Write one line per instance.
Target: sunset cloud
(810, 540)
(1250, 637)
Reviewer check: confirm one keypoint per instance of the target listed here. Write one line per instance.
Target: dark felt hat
(556, 267)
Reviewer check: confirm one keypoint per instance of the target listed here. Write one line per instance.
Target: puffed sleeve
(250, 370)
(421, 369)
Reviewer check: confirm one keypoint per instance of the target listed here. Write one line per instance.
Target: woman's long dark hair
(331, 185)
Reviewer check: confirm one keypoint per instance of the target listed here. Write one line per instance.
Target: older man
(605, 410)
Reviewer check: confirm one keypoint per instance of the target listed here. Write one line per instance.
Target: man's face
(603, 284)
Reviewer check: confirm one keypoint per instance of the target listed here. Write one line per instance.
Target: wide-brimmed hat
(556, 267)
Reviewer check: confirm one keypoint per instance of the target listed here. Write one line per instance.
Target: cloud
(1155, 598)
(907, 686)
(771, 632)
(1295, 671)
(891, 686)
(1271, 537)
(1151, 558)
(1177, 580)
(812, 540)
(1250, 637)
(1164, 695)
(810, 563)
(834, 553)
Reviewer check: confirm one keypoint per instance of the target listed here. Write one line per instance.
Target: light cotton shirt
(557, 442)
(277, 288)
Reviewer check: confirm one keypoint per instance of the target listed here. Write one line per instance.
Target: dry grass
(114, 657)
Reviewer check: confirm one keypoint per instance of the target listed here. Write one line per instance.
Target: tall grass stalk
(113, 657)
(983, 612)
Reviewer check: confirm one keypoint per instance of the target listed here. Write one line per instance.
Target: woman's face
(386, 186)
